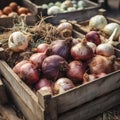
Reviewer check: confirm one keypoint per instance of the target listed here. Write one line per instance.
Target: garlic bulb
(97, 22)
(18, 41)
(109, 28)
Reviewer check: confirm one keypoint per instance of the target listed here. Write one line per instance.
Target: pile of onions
(54, 67)
(101, 64)
(97, 22)
(76, 71)
(65, 29)
(61, 47)
(82, 51)
(62, 85)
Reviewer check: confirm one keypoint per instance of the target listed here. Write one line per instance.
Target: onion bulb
(18, 41)
(61, 47)
(54, 10)
(101, 64)
(54, 67)
(65, 29)
(106, 49)
(76, 71)
(29, 73)
(92, 46)
(62, 85)
(81, 51)
(93, 36)
(109, 28)
(97, 22)
(42, 83)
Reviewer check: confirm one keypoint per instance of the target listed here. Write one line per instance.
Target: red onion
(76, 71)
(101, 64)
(37, 59)
(42, 83)
(17, 67)
(42, 47)
(65, 29)
(54, 67)
(93, 36)
(62, 85)
(29, 73)
(61, 47)
(81, 51)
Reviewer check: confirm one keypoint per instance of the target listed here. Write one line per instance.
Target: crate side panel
(93, 108)
(87, 92)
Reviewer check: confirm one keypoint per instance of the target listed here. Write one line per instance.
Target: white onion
(54, 10)
(18, 41)
(109, 28)
(97, 22)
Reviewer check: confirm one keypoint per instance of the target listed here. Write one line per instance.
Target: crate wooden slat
(3, 96)
(93, 108)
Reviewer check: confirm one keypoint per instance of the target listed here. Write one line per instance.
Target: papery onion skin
(37, 59)
(42, 47)
(42, 83)
(97, 22)
(29, 73)
(93, 36)
(62, 85)
(105, 49)
(101, 64)
(54, 67)
(17, 67)
(81, 51)
(61, 48)
(76, 71)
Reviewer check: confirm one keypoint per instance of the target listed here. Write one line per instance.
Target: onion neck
(111, 38)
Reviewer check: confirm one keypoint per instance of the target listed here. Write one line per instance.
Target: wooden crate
(9, 21)
(83, 26)
(91, 98)
(75, 15)
(3, 96)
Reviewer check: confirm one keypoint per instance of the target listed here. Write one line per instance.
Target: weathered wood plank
(87, 92)
(21, 92)
(93, 108)
(46, 101)
(3, 96)
(7, 113)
